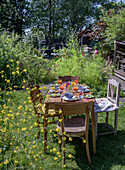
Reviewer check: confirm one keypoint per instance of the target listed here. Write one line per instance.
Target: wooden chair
(111, 103)
(74, 127)
(68, 78)
(36, 97)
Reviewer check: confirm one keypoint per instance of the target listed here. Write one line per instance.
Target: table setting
(70, 91)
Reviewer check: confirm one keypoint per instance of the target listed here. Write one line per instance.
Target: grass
(24, 151)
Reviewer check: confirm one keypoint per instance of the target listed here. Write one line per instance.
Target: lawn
(20, 148)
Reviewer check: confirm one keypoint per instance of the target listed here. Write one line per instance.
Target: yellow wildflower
(13, 73)
(23, 129)
(7, 66)
(54, 149)
(8, 81)
(17, 72)
(57, 129)
(6, 162)
(44, 87)
(25, 70)
(70, 156)
(70, 139)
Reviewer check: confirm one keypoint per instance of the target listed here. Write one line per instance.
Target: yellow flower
(13, 73)
(53, 88)
(50, 131)
(17, 62)
(70, 139)
(70, 156)
(35, 124)
(15, 86)
(64, 138)
(60, 111)
(55, 158)
(84, 141)
(25, 70)
(64, 166)
(24, 81)
(57, 129)
(17, 68)
(44, 87)
(16, 162)
(73, 83)
(8, 81)
(54, 149)
(23, 87)
(23, 129)
(7, 66)
(59, 141)
(17, 72)
(11, 60)
(6, 162)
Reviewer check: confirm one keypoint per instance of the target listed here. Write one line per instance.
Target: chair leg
(115, 123)
(63, 152)
(106, 120)
(96, 125)
(87, 150)
(45, 136)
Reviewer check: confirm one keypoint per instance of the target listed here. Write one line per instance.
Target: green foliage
(115, 30)
(90, 68)
(18, 55)
(38, 69)
(11, 50)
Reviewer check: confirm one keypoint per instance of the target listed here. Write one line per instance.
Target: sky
(120, 0)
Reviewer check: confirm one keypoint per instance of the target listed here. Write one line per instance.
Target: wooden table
(50, 104)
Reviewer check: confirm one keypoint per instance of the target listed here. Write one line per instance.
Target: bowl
(69, 95)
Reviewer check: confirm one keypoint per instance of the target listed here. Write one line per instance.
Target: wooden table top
(50, 99)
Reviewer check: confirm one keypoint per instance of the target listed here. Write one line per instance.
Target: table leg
(45, 129)
(93, 130)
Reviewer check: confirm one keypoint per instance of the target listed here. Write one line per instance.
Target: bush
(17, 54)
(90, 68)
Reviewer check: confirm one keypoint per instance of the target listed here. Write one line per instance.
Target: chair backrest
(35, 94)
(68, 78)
(76, 108)
(113, 91)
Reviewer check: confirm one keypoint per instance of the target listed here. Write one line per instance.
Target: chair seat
(74, 125)
(104, 105)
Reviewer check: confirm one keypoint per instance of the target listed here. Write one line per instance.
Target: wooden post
(115, 42)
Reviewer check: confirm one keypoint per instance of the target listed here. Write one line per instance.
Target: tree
(13, 14)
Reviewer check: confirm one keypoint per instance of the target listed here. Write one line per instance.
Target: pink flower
(57, 56)
(82, 53)
(56, 66)
(63, 55)
(96, 52)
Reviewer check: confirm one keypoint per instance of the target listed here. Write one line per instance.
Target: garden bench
(119, 59)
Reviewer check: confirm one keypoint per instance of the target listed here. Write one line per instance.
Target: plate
(54, 95)
(88, 96)
(83, 90)
(70, 99)
(54, 91)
